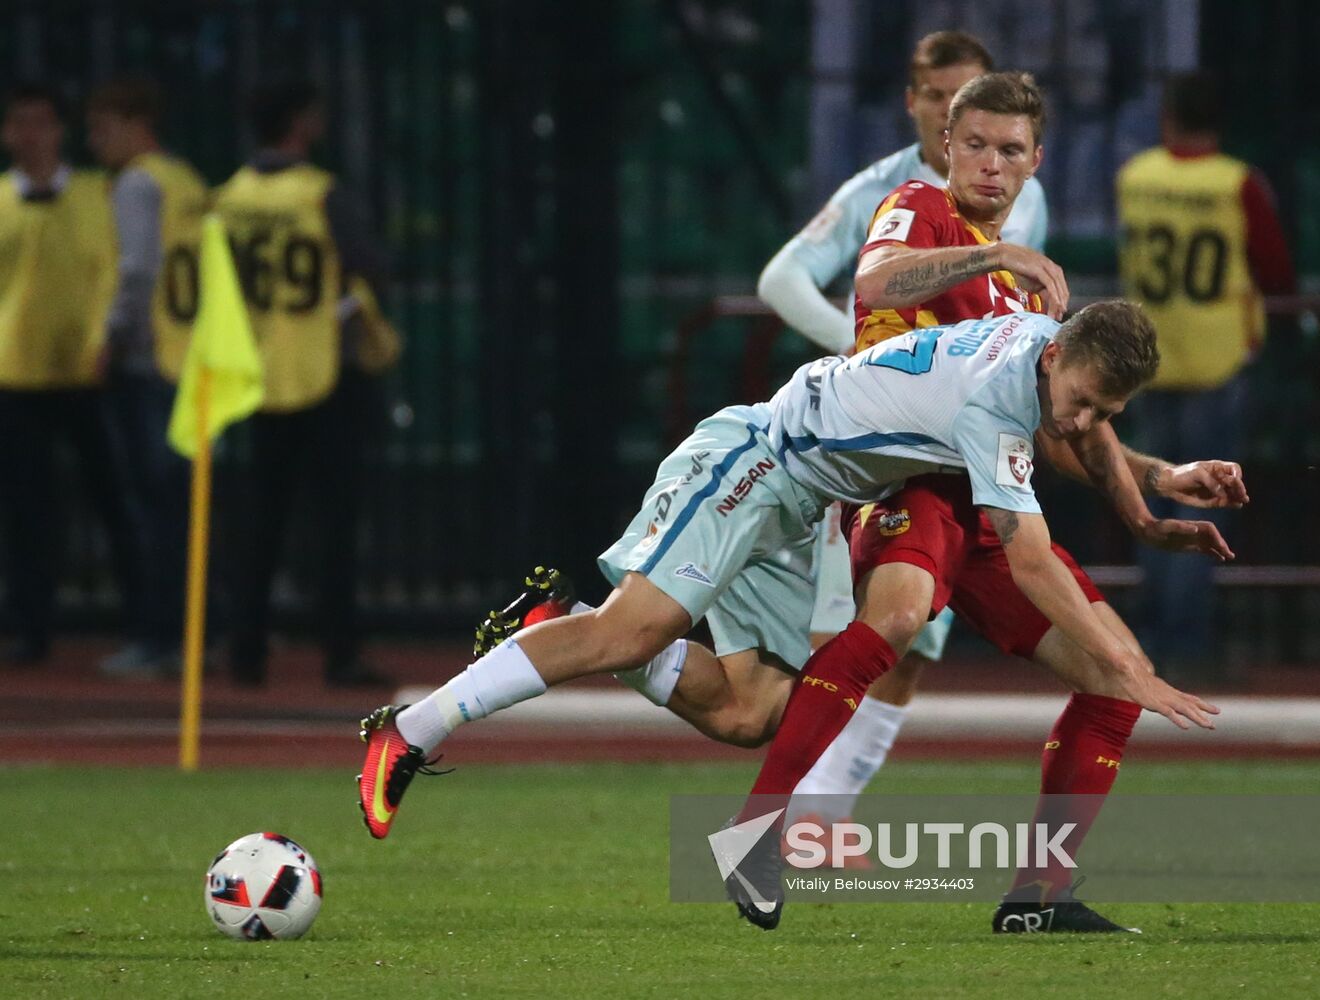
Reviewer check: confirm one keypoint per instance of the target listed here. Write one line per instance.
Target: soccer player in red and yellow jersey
(932, 259)
(920, 216)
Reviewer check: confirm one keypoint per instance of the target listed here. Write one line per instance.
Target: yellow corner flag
(221, 382)
(221, 345)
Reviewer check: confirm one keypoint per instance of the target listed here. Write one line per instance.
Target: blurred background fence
(564, 186)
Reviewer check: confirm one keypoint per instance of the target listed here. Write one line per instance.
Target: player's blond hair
(1117, 340)
(947, 48)
(1002, 94)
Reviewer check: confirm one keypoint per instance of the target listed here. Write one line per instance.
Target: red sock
(828, 691)
(1080, 761)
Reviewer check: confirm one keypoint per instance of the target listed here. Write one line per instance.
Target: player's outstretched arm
(1207, 483)
(1049, 585)
(787, 287)
(1100, 459)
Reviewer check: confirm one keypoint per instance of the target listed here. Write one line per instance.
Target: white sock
(501, 678)
(658, 677)
(849, 763)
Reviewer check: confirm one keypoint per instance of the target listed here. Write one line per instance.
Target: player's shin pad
(657, 678)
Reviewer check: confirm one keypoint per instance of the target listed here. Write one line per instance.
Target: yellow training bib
(184, 200)
(57, 278)
(289, 267)
(1184, 257)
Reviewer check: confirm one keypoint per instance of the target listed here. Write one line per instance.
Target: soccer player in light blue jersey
(793, 285)
(725, 534)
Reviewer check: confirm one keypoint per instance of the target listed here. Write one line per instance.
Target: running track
(64, 713)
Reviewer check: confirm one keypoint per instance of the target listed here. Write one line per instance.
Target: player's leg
(1082, 754)
(278, 453)
(28, 519)
(827, 793)
(861, 749)
(836, 677)
(736, 697)
(832, 785)
(908, 566)
(100, 460)
(907, 578)
(759, 628)
(682, 553)
(827, 693)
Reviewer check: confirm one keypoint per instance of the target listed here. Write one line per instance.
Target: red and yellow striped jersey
(922, 216)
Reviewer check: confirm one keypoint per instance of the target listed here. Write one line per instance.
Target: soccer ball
(263, 886)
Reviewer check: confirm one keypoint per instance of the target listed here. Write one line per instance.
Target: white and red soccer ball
(263, 886)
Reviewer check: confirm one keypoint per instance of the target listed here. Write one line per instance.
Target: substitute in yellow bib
(159, 201)
(57, 260)
(1200, 245)
(301, 250)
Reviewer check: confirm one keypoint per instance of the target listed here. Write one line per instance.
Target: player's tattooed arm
(1209, 483)
(1115, 471)
(1151, 480)
(1148, 472)
(1103, 463)
(1005, 523)
(936, 276)
(1108, 468)
(894, 277)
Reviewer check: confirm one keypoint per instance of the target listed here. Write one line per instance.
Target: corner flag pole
(194, 626)
(221, 381)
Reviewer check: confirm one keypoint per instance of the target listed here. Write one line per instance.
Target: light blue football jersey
(831, 241)
(943, 398)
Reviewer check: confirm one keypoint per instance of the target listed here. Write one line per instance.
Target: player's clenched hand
(1036, 273)
(1203, 484)
(1173, 535)
(1178, 707)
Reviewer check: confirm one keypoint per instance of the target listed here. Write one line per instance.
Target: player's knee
(898, 625)
(748, 721)
(746, 726)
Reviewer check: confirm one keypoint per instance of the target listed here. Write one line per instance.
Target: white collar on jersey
(58, 180)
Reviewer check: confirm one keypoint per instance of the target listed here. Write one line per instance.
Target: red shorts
(932, 523)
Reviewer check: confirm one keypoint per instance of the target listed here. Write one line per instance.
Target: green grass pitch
(548, 881)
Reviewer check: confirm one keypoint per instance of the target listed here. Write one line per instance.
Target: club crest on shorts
(893, 522)
(1014, 467)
